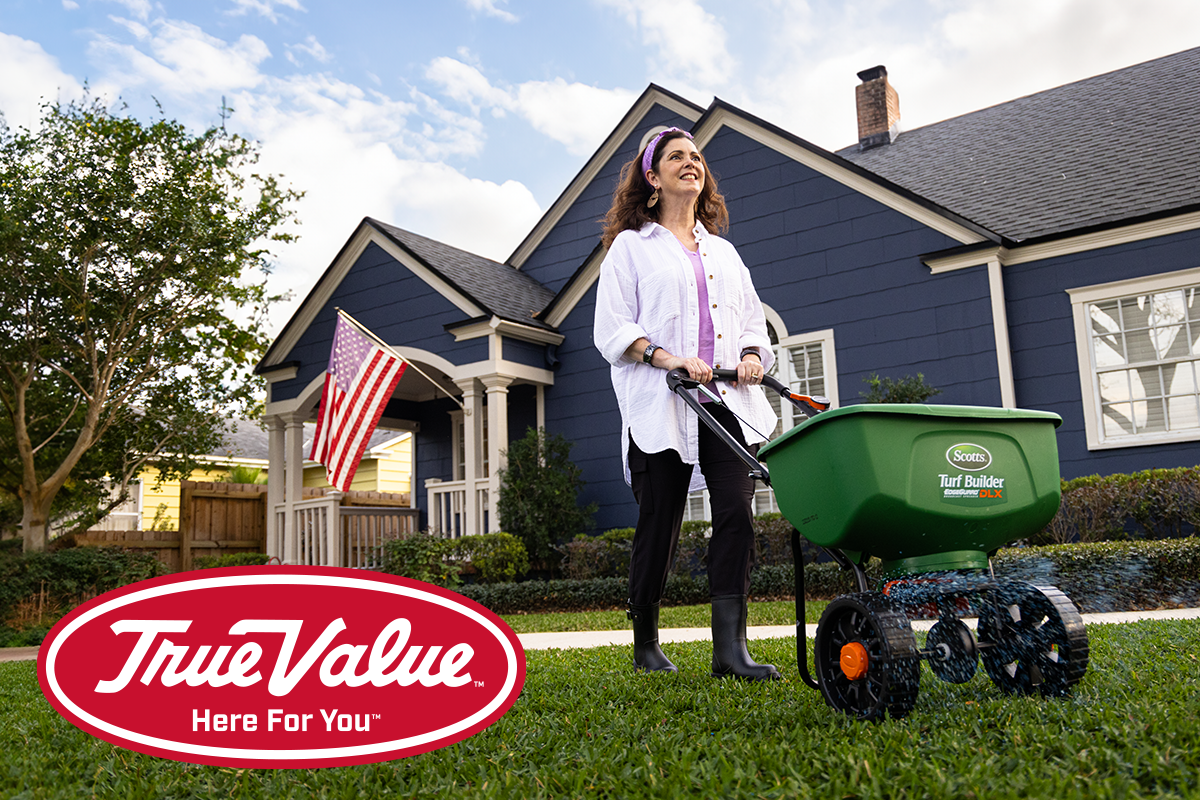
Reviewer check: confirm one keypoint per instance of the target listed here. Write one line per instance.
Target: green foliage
(539, 492)
(36, 589)
(125, 249)
(423, 558)
(1105, 576)
(232, 560)
(496, 557)
(607, 555)
(905, 390)
(243, 474)
(1153, 504)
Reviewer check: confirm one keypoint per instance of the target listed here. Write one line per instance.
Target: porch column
(497, 410)
(294, 482)
(276, 470)
(472, 400)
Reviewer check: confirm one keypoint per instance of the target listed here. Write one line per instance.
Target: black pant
(660, 485)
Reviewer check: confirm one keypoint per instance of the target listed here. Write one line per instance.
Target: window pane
(1114, 386)
(1108, 344)
(1182, 414)
(1118, 420)
(1179, 378)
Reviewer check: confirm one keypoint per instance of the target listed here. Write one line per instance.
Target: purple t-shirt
(707, 339)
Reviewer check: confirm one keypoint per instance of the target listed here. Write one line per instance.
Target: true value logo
(281, 667)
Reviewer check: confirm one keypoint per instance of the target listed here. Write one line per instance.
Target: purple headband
(648, 156)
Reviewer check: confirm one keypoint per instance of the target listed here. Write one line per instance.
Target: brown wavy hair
(629, 212)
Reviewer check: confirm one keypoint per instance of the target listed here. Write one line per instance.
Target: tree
(539, 493)
(133, 260)
(905, 390)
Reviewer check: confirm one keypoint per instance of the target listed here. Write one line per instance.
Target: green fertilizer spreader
(933, 492)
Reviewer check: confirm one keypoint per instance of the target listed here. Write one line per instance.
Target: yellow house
(386, 466)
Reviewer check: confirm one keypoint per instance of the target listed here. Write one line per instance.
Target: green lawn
(774, 613)
(587, 726)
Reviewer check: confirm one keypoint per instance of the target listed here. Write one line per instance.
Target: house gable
(569, 229)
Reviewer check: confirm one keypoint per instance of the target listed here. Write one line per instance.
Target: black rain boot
(646, 655)
(730, 656)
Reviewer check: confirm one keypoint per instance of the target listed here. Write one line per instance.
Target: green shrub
(496, 557)
(905, 390)
(36, 589)
(1104, 576)
(1154, 504)
(539, 490)
(232, 560)
(422, 557)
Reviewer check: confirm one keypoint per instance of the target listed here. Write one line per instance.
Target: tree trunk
(35, 522)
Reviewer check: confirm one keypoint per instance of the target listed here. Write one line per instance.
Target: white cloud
(312, 48)
(264, 8)
(575, 114)
(689, 43)
(138, 8)
(489, 8)
(70, 5)
(34, 77)
(944, 59)
(183, 60)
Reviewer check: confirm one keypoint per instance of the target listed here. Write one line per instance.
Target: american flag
(358, 384)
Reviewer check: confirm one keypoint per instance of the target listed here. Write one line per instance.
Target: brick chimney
(878, 109)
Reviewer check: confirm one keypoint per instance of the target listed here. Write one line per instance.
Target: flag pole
(365, 332)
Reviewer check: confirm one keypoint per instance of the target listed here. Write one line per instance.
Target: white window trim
(829, 353)
(1088, 382)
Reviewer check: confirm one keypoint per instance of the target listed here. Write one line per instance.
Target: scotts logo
(969, 457)
(281, 667)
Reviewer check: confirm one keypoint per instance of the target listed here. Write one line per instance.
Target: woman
(674, 295)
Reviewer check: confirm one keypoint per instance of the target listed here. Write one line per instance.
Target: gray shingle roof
(1114, 147)
(499, 288)
(246, 438)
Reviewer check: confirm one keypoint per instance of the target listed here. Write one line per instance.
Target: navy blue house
(1043, 253)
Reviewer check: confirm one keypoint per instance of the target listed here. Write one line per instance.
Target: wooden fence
(218, 519)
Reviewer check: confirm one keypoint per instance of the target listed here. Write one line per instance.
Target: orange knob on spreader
(854, 660)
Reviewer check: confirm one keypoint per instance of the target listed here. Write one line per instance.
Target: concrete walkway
(549, 641)
(584, 639)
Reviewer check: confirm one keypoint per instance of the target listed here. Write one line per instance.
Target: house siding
(1042, 333)
(394, 304)
(574, 237)
(825, 256)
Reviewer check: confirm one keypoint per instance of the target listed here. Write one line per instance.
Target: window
(458, 444)
(1138, 346)
(807, 364)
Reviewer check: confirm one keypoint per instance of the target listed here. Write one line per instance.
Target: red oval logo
(281, 667)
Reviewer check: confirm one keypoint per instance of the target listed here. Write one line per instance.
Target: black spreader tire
(1032, 640)
(893, 675)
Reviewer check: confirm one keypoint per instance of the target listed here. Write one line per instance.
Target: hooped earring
(653, 199)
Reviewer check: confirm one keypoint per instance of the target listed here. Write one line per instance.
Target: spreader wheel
(953, 656)
(1032, 639)
(866, 657)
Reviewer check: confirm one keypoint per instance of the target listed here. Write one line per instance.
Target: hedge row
(1105, 576)
(607, 555)
(36, 589)
(1154, 504)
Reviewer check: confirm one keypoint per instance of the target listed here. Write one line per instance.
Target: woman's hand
(750, 371)
(697, 370)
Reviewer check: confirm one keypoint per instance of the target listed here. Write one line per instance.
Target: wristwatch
(649, 354)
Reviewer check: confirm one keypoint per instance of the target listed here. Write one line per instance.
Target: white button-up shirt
(647, 288)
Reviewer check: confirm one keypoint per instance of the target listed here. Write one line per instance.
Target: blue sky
(464, 119)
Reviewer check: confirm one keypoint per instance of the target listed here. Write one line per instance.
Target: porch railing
(332, 535)
(448, 506)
